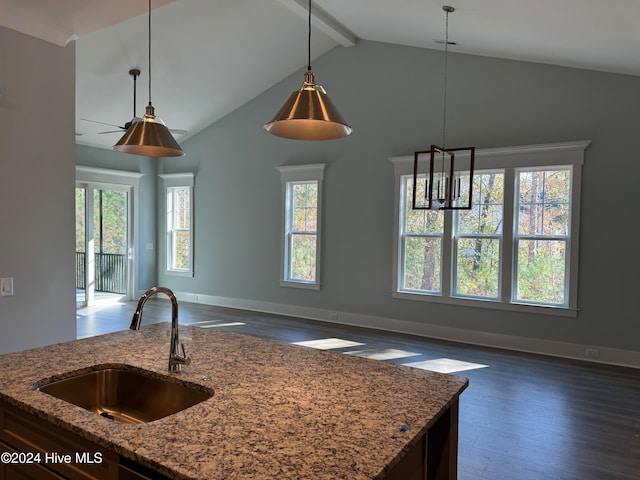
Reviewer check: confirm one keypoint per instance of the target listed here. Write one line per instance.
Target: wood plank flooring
(523, 417)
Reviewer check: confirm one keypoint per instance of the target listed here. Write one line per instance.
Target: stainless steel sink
(126, 394)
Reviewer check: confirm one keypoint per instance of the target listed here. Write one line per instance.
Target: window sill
(307, 286)
(179, 273)
(496, 305)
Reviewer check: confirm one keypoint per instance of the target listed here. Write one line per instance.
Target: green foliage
(478, 267)
(179, 199)
(543, 216)
(80, 219)
(422, 260)
(109, 221)
(110, 228)
(303, 257)
(541, 271)
(303, 225)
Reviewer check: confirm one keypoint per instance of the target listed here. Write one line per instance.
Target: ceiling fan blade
(102, 123)
(111, 131)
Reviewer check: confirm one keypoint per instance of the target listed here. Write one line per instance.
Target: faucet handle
(187, 358)
(181, 359)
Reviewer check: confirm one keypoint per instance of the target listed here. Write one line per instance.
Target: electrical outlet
(6, 287)
(333, 316)
(592, 353)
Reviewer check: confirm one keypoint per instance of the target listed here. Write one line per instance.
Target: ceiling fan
(135, 73)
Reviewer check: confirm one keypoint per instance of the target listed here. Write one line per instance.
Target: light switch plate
(6, 287)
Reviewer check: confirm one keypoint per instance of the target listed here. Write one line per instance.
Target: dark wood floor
(523, 417)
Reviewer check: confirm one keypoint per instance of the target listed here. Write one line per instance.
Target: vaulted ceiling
(211, 56)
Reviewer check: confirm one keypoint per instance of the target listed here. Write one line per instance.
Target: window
(542, 237)
(302, 192)
(478, 239)
(179, 220)
(512, 250)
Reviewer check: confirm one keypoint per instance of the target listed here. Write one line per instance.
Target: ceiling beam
(324, 22)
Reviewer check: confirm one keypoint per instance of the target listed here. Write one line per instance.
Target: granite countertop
(279, 411)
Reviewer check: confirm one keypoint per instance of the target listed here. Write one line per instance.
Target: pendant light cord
(446, 55)
(309, 40)
(149, 52)
(135, 78)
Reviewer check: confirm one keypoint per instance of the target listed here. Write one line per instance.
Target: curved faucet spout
(177, 355)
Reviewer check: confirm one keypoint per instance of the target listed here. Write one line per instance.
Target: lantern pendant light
(308, 114)
(149, 136)
(443, 177)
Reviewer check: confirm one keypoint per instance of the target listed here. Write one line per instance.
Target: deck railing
(110, 271)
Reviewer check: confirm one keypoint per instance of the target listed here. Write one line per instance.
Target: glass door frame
(92, 179)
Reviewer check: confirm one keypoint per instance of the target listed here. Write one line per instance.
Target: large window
(179, 220)
(516, 248)
(302, 192)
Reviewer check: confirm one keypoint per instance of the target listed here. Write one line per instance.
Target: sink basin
(126, 394)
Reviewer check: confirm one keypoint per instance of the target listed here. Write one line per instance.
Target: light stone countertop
(279, 411)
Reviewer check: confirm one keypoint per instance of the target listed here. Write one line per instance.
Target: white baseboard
(597, 354)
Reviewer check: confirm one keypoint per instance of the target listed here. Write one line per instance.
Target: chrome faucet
(177, 355)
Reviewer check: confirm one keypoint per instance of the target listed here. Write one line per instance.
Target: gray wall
(37, 159)
(392, 96)
(145, 211)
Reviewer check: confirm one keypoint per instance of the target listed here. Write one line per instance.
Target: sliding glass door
(102, 243)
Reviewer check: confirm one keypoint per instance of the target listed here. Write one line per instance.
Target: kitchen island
(278, 411)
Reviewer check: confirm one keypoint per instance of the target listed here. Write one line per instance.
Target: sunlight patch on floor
(328, 343)
(385, 354)
(216, 322)
(213, 325)
(446, 365)
(203, 322)
(97, 307)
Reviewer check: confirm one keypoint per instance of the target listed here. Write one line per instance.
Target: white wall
(37, 161)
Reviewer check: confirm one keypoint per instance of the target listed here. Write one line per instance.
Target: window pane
(182, 208)
(478, 266)
(424, 221)
(182, 251)
(544, 202)
(303, 257)
(422, 259)
(80, 219)
(541, 271)
(420, 221)
(485, 216)
(304, 207)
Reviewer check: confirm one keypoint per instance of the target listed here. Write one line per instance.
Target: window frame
(170, 183)
(290, 176)
(510, 160)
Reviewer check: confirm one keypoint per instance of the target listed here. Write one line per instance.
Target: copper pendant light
(309, 114)
(149, 136)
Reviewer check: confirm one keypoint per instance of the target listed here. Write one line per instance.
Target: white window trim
(301, 173)
(510, 159)
(178, 180)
